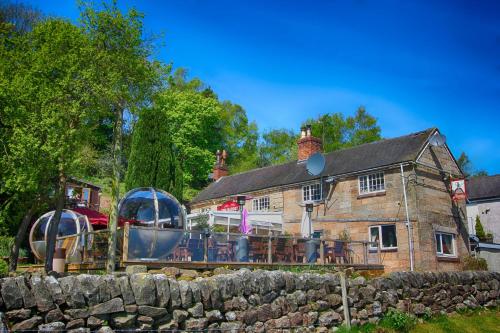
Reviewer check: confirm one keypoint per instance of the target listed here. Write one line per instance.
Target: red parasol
(228, 206)
(97, 219)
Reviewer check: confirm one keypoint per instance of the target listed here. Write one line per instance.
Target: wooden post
(379, 254)
(365, 253)
(345, 303)
(269, 249)
(205, 247)
(321, 251)
(125, 242)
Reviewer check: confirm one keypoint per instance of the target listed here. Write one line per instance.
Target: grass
(479, 321)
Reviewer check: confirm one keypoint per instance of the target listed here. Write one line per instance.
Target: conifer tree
(153, 160)
(479, 229)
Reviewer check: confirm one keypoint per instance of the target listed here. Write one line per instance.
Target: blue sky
(413, 65)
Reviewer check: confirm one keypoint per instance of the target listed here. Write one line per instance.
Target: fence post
(205, 247)
(126, 229)
(365, 253)
(345, 303)
(321, 251)
(379, 254)
(269, 250)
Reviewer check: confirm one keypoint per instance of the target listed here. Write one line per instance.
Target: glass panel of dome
(168, 211)
(138, 206)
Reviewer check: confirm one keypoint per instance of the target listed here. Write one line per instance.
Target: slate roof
(366, 156)
(484, 187)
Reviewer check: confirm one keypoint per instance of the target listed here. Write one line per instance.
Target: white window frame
(308, 189)
(380, 244)
(440, 240)
(366, 179)
(261, 204)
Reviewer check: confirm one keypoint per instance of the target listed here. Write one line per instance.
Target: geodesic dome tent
(158, 221)
(71, 223)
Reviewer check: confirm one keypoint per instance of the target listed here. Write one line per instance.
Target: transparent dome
(158, 221)
(151, 207)
(71, 223)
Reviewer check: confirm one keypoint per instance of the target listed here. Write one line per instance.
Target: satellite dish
(437, 140)
(315, 164)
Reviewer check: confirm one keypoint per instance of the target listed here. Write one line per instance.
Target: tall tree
(278, 146)
(338, 132)
(153, 158)
(128, 80)
(18, 17)
(239, 137)
(193, 122)
(467, 167)
(54, 102)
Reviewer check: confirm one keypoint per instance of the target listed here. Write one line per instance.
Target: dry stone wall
(243, 301)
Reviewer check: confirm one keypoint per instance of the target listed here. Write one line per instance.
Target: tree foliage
(192, 121)
(153, 158)
(467, 167)
(278, 146)
(338, 131)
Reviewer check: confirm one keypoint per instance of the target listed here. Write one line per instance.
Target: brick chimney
(308, 144)
(220, 168)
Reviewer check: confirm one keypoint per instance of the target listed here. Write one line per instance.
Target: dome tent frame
(50, 215)
(156, 221)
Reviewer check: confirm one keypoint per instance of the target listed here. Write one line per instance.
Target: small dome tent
(71, 223)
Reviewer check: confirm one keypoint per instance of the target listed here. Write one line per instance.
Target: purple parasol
(245, 227)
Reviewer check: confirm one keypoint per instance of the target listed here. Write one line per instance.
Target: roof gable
(356, 159)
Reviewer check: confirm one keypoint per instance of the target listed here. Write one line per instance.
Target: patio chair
(280, 253)
(339, 252)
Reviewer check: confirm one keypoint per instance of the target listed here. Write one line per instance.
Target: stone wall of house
(242, 301)
(435, 209)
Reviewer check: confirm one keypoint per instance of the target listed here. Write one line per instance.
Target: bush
(4, 268)
(471, 263)
(479, 229)
(5, 245)
(399, 321)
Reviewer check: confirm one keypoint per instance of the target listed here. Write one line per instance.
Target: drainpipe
(408, 222)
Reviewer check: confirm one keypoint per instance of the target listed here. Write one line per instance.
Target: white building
(484, 201)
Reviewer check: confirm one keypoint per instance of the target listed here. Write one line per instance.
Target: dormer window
(372, 183)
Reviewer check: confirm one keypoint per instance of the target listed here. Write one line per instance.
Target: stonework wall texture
(243, 301)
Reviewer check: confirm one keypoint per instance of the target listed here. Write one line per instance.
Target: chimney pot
(308, 144)
(302, 132)
(220, 170)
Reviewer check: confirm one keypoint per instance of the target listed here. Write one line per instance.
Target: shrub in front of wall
(399, 321)
(471, 263)
(4, 268)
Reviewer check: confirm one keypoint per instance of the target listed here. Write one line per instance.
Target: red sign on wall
(458, 190)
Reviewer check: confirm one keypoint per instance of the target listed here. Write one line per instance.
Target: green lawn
(483, 321)
(480, 321)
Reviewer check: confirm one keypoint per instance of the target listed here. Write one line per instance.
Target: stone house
(369, 192)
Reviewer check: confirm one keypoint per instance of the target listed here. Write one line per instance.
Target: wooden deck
(200, 265)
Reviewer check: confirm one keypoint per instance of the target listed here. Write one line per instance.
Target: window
(445, 244)
(311, 192)
(388, 239)
(371, 183)
(261, 204)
